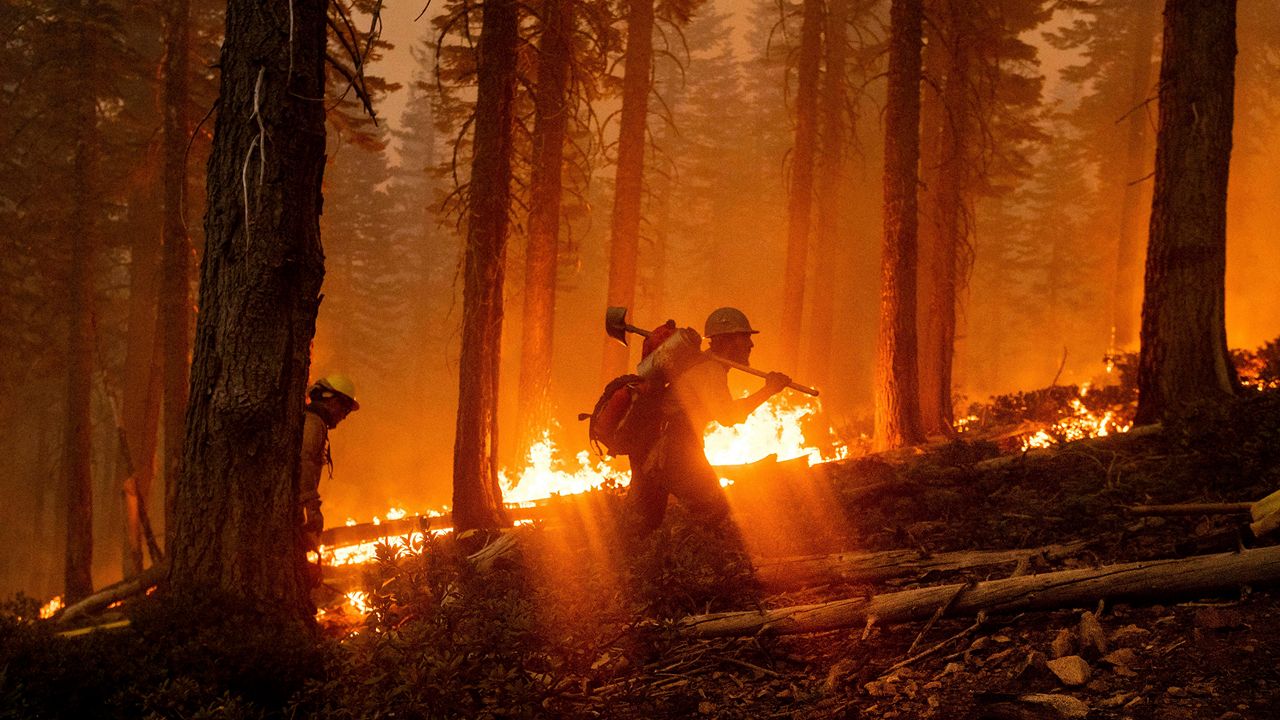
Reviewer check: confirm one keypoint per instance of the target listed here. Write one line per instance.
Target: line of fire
(638, 359)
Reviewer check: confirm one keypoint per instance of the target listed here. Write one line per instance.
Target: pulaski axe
(616, 325)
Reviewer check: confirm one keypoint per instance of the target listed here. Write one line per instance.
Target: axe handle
(735, 365)
(762, 374)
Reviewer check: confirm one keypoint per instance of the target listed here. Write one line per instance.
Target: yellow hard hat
(727, 320)
(340, 384)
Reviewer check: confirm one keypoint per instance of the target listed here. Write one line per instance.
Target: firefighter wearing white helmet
(329, 400)
(676, 463)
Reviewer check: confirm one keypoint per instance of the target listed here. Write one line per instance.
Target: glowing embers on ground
(1082, 423)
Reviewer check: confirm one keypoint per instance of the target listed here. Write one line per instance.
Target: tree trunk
(1154, 579)
(477, 499)
(629, 185)
(235, 515)
(534, 411)
(1125, 297)
(175, 293)
(897, 416)
(141, 397)
(800, 195)
(1184, 358)
(78, 445)
(949, 222)
(830, 173)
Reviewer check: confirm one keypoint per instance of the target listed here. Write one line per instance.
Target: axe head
(615, 323)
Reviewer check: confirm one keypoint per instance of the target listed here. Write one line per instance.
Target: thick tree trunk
(1133, 216)
(629, 185)
(1184, 358)
(175, 293)
(235, 520)
(1155, 579)
(897, 416)
(534, 407)
(800, 195)
(949, 220)
(830, 200)
(78, 443)
(477, 499)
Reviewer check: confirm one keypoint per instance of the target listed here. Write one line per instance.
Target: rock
(1129, 636)
(1175, 691)
(952, 668)
(1071, 670)
(1124, 657)
(1116, 700)
(1064, 705)
(1035, 663)
(1062, 645)
(706, 707)
(1093, 640)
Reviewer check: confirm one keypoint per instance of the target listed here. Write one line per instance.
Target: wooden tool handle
(762, 374)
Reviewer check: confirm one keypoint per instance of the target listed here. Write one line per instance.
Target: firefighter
(698, 393)
(329, 400)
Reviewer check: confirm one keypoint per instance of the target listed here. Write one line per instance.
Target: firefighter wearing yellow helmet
(329, 400)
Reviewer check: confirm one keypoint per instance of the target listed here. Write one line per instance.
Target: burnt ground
(1167, 657)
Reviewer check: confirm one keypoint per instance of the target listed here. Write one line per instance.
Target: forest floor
(1168, 657)
(582, 619)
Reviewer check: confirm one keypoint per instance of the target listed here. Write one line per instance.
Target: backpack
(628, 415)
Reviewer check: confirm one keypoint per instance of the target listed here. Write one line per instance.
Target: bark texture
(235, 529)
(948, 220)
(800, 192)
(1133, 216)
(830, 174)
(629, 184)
(175, 293)
(1183, 357)
(897, 414)
(551, 104)
(477, 499)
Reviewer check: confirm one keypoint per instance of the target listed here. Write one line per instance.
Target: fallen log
(102, 599)
(1069, 588)
(863, 567)
(1238, 508)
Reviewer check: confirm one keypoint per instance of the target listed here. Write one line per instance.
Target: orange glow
(775, 428)
(1082, 423)
(51, 608)
(544, 476)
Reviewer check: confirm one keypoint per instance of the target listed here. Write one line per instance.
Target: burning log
(1003, 461)
(874, 567)
(1068, 588)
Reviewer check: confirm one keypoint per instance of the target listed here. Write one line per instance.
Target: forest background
(1042, 230)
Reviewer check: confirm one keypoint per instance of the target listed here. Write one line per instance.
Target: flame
(1082, 423)
(775, 428)
(544, 476)
(358, 601)
(50, 608)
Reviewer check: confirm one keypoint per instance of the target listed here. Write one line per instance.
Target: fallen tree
(129, 587)
(1163, 579)
(811, 570)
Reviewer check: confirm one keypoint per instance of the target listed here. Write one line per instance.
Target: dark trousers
(675, 465)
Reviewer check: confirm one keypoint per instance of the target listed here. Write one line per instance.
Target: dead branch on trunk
(1191, 509)
(1148, 579)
